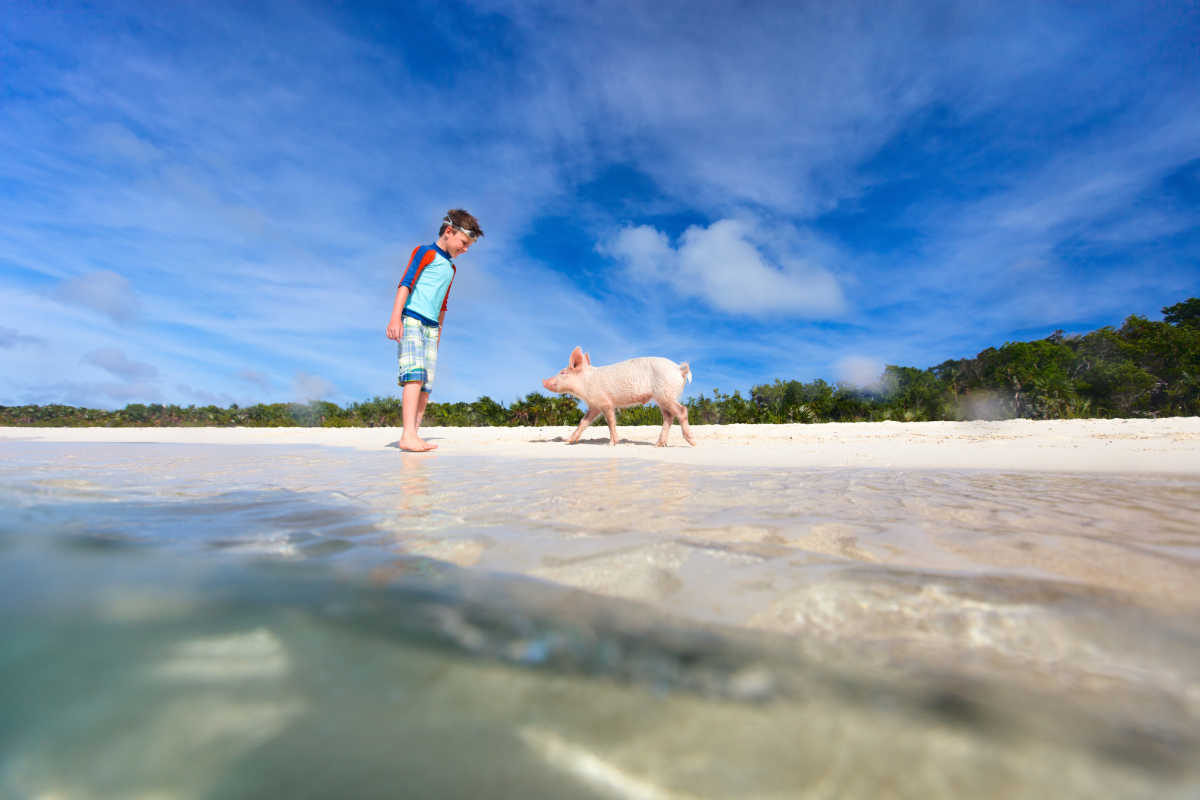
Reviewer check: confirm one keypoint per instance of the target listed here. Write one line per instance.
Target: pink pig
(624, 384)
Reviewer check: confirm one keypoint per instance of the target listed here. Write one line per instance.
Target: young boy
(418, 313)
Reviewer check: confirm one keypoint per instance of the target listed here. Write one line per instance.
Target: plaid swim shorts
(418, 353)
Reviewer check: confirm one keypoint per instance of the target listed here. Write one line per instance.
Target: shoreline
(1169, 445)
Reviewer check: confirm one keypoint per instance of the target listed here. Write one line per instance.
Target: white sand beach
(1087, 445)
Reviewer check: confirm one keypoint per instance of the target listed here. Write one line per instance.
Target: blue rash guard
(428, 276)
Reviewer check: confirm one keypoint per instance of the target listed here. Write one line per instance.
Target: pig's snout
(549, 384)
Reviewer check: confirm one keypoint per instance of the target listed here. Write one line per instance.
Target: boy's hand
(395, 324)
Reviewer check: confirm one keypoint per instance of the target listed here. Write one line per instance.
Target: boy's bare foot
(415, 445)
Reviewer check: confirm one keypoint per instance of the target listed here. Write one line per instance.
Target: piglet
(621, 385)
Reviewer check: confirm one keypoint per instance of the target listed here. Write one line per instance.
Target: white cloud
(13, 338)
(90, 394)
(204, 398)
(310, 388)
(863, 372)
(114, 141)
(117, 363)
(103, 291)
(255, 378)
(723, 266)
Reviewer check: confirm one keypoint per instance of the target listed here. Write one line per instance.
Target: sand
(1119, 445)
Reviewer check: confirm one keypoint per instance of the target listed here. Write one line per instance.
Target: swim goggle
(472, 235)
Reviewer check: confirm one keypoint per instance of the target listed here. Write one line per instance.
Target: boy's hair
(461, 219)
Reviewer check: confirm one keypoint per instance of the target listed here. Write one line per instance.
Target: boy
(418, 313)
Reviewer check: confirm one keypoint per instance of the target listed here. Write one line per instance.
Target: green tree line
(1141, 369)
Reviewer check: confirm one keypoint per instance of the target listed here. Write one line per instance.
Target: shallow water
(196, 621)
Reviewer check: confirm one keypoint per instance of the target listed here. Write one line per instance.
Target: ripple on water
(1013, 631)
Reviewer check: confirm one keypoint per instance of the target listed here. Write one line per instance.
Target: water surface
(234, 621)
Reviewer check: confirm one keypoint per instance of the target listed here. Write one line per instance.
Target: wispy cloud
(103, 291)
(10, 337)
(115, 362)
(256, 378)
(863, 372)
(308, 388)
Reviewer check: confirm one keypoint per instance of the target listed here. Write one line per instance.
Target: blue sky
(212, 203)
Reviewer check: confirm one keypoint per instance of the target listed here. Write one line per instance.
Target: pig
(621, 385)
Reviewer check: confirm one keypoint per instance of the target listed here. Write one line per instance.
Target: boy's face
(455, 241)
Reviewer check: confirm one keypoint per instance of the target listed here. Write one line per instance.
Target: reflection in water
(290, 680)
(255, 654)
(586, 766)
(767, 633)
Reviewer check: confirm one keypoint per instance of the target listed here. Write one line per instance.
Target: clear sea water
(278, 621)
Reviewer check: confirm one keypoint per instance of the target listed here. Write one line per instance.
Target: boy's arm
(395, 324)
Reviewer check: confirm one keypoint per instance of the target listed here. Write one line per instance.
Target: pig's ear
(587, 359)
(576, 358)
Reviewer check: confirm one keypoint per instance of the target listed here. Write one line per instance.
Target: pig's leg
(687, 432)
(666, 429)
(591, 414)
(677, 409)
(610, 415)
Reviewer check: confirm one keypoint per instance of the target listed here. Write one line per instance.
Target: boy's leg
(412, 407)
(413, 355)
(421, 403)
